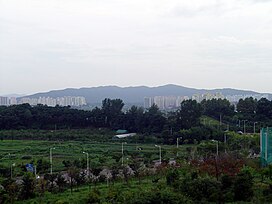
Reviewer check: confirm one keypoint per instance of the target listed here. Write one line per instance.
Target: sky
(56, 44)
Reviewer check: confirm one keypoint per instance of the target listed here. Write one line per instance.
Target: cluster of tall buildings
(62, 101)
(6, 101)
(173, 102)
(236, 98)
(207, 96)
(164, 102)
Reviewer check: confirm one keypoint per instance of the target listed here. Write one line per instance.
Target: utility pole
(159, 151)
(254, 127)
(88, 168)
(51, 160)
(225, 141)
(217, 148)
(178, 144)
(123, 152)
(11, 171)
(244, 126)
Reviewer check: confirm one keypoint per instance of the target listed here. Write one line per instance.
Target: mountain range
(136, 94)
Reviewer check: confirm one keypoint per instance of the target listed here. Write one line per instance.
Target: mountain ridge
(136, 94)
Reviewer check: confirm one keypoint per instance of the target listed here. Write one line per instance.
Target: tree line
(136, 119)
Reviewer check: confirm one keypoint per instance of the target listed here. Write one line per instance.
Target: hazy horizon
(25, 94)
(53, 45)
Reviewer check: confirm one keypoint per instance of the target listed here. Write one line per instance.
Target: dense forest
(151, 121)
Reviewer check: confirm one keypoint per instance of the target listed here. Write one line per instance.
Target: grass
(22, 152)
(101, 154)
(206, 120)
(80, 195)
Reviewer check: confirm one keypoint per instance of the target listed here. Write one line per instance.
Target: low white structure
(124, 135)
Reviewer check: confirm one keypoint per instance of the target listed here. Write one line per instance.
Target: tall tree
(247, 108)
(134, 119)
(112, 110)
(216, 107)
(28, 186)
(264, 109)
(189, 114)
(154, 120)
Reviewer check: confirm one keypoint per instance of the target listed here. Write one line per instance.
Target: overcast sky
(55, 44)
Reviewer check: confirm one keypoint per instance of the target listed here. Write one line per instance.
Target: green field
(188, 182)
(22, 152)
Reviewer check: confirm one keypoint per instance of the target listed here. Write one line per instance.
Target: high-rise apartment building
(4, 101)
(148, 102)
(62, 101)
(159, 101)
(170, 102)
(12, 101)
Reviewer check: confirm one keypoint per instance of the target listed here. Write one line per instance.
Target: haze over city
(48, 45)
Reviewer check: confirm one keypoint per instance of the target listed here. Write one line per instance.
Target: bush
(201, 189)
(26, 157)
(243, 186)
(172, 176)
(158, 196)
(94, 196)
(61, 202)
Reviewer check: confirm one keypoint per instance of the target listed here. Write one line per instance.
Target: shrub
(201, 189)
(172, 176)
(94, 196)
(26, 157)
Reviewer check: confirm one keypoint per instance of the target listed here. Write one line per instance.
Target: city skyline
(163, 102)
(52, 45)
(75, 101)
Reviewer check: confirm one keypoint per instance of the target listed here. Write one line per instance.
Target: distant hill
(134, 95)
(14, 95)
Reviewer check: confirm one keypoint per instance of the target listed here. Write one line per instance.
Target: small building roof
(124, 135)
(121, 131)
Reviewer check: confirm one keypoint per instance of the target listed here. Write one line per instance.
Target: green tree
(50, 178)
(189, 114)
(201, 189)
(134, 119)
(61, 183)
(172, 176)
(72, 173)
(217, 107)
(154, 120)
(264, 110)
(247, 108)
(28, 186)
(42, 165)
(41, 188)
(94, 196)
(112, 110)
(10, 191)
(243, 183)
